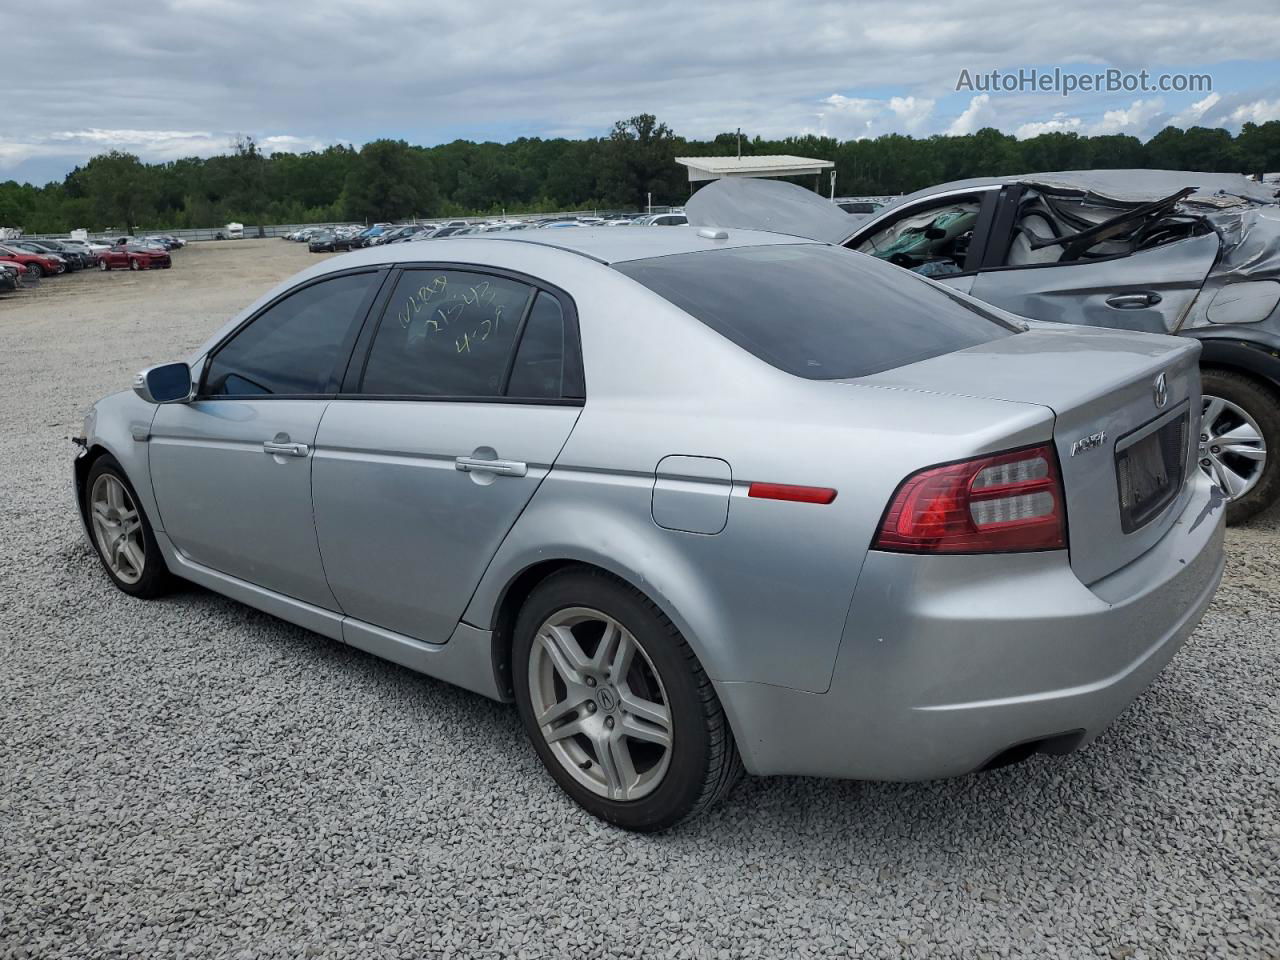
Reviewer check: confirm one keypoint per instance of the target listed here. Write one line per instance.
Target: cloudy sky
(172, 78)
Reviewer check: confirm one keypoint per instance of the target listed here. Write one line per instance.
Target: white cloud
(151, 145)
(1133, 119)
(911, 111)
(977, 115)
(1260, 111)
(1061, 123)
(1193, 114)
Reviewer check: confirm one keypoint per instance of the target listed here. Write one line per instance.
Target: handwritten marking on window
(466, 311)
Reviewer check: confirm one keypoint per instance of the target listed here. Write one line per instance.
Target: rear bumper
(947, 662)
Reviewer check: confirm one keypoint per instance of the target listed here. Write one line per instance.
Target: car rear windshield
(815, 311)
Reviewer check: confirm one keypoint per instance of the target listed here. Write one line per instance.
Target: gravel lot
(188, 777)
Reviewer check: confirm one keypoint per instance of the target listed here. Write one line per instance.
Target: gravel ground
(188, 777)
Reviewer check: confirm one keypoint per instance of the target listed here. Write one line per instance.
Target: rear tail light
(1001, 503)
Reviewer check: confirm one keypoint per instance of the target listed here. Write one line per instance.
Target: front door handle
(1133, 301)
(281, 449)
(502, 468)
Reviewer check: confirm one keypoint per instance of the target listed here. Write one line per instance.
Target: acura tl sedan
(698, 501)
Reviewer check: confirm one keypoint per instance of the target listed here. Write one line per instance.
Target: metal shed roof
(714, 168)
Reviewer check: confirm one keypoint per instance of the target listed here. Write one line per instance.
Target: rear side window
(446, 333)
(815, 311)
(539, 368)
(295, 345)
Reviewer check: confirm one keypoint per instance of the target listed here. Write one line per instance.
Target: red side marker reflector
(787, 491)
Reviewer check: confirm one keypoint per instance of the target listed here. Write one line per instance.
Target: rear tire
(617, 765)
(35, 270)
(1260, 403)
(103, 266)
(121, 533)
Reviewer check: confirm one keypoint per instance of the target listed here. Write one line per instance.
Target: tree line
(392, 179)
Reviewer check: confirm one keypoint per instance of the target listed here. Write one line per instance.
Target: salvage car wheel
(617, 705)
(134, 265)
(1239, 434)
(35, 270)
(103, 266)
(121, 532)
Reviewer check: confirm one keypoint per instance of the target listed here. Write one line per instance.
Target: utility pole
(739, 143)
(833, 183)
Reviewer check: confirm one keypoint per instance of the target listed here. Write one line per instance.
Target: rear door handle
(503, 468)
(1133, 301)
(280, 449)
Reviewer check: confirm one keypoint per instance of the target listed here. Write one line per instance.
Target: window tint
(538, 372)
(446, 333)
(295, 345)
(816, 311)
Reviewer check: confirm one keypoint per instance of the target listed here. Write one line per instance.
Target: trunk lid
(745, 203)
(1125, 457)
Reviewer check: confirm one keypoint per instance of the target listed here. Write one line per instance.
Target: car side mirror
(166, 383)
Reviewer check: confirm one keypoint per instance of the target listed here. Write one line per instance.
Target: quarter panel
(767, 598)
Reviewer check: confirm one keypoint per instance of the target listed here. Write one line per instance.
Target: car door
(1148, 291)
(463, 398)
(232, 469)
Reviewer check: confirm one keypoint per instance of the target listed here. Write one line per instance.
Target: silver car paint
(227, 505)
(404, 534)
(1114, 396)
(949, 660)
(769, 603)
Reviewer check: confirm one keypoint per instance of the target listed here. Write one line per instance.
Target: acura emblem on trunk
(1161, 392)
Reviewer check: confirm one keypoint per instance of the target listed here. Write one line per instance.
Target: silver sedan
(696, 500)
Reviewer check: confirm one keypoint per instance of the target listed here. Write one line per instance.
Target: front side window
(446, 333)
(934, 241)
(295, 346)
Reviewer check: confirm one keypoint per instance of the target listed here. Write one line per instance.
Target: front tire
(134, 265)
(35, 270)
(1240, 441)
(121, 533)
(616, 704)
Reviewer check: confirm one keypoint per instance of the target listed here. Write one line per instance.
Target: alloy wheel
(1232, 449)
(117, 528)
(600, 704)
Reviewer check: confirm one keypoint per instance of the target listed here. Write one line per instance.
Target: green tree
(390, 179)
(119, 187)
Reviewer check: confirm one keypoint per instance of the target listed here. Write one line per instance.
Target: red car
(133, 257)
(37, 266)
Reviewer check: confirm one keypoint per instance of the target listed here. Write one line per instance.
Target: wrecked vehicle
(1159, 251)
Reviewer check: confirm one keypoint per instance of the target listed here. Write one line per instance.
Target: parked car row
(341, 238)
(25, 261)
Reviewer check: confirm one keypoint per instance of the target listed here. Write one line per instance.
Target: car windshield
(815, 311)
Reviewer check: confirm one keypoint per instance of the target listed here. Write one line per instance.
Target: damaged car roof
(780, 207)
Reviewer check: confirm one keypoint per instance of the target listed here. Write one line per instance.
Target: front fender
(121, 426)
